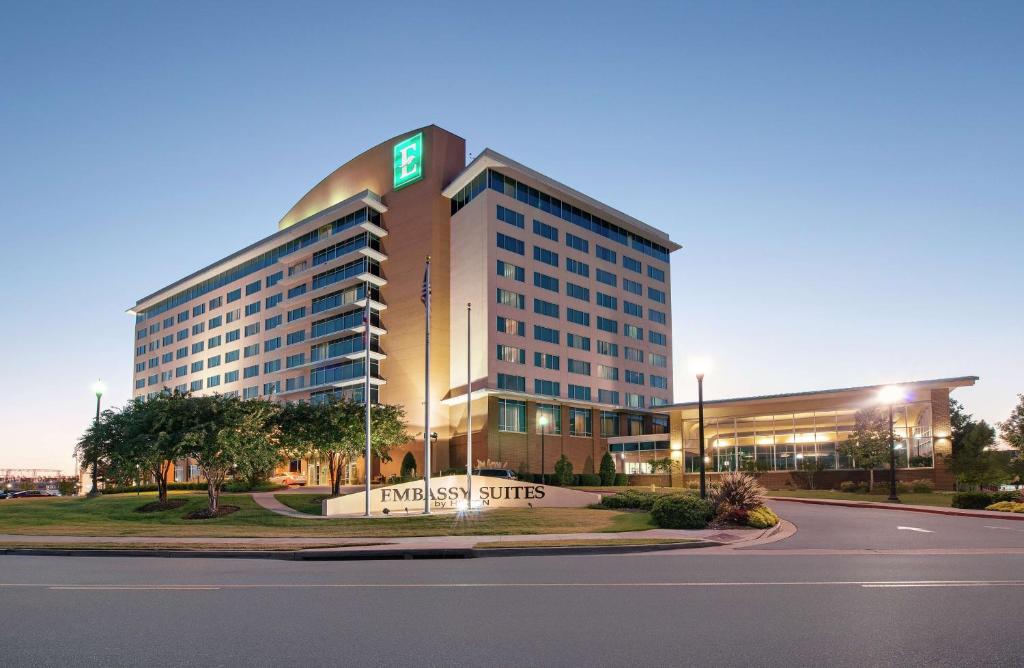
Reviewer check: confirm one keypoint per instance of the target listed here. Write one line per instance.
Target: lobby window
(512, 383)
(629, 308)
(512, 416)
(631, 264)
(234, 295)
(548, 388)
(607, 301)
(511, 271)
(509, 298)
(609, 420)
(606, 254)
(579, 367)
(657, 338)
(510, 354)
(545, 230)
(634, 425)
(577, 291)
(542, 307)
(511, 244)
(554, 418)
(632, 287)
(544, 281)
(577, 267)
(577, 317)
(656, 316)
(656, 295)
(606, 372)
(511, 217)
(546, 361)
(633, 332)
(577, 243)
(607, 348)
(546, 334)
(660, 361)
(577, 341)
(659, 424)
(656, 274)
(579, 422)
(510, 326)
(608, 396)
(579, 392)
(253, 288)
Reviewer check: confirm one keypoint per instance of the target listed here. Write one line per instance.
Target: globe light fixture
(698, 367)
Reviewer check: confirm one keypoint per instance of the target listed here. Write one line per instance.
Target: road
(783, 605)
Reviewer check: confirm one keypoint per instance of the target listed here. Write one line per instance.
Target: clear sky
(846, 179)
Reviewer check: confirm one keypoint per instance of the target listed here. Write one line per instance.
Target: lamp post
(543, 422)
(699, 366)
(889, 395)
(99, 388)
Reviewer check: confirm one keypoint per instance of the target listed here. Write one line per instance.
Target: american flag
(425, 293)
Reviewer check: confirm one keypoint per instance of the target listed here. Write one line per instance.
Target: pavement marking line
(517, 585)
(1003, 528)
(913, 529)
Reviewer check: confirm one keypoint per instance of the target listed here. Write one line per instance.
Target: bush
(762, 518)
(922, 486)
(1014, 496)
(631, 499)
(589, 480)
(732, 514)
(901, 488)
(682, 511)
(607, 469)
(738, 490)
(854, 487)
(563, 472)
(621, 480)
(1007, 507)
(972, 500)
(171, 486)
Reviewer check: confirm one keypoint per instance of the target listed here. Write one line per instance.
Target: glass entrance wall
(783, 442)
(636, 458)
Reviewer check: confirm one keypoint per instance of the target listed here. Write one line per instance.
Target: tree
(1012, 430)
(664, 465)
(808, 467)
(868, 444)
(563, 471)
(154, 435)
(408, 470)
(607, 469)
(960, 422)
(973, 464)
(254, 432)
(205, 421)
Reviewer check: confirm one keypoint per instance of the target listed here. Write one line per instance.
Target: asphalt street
(762, 607)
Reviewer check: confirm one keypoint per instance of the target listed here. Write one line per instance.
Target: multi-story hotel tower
(571, 309)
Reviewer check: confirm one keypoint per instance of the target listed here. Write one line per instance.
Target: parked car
(27, 493)
(4, 493)
(507, 474)
(288, 479)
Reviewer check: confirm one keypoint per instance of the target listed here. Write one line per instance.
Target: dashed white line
(914, 529)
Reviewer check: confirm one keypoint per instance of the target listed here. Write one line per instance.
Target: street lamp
(889, 395)
(543, 422)
(699, 366)
(99, 388)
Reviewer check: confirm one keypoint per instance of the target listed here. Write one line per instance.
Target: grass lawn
(576, 542)
(941, 499)
(304, 503)
(115, 515)
(226, 547)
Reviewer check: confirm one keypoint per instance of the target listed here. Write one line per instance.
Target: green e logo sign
(408, 160)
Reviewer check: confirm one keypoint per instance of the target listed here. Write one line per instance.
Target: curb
(364, 555)
(954, 512)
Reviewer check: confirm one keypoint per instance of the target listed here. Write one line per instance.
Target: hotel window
(296, 337)
(234, 295)
(273, 366)
(251, 392)
(607, 301)
(576, 243)
(141, 334)
(511, 244)
(213, 342)
(141, 366)
(579, 392)
(656, 316)
(251, 351)
(181, 389)
(554, 418)
(546, 334)
(180, 352)
(274, 278)
(607, 396)
(577, 317)
(509, 298)
(296, 314)
(578, 342)
(252, 309)
(606, 254)
(233, 315)
(607, 348)
(231, 377)
(293, 361)
(656, 295)
(510, 354)
(251, 371)
(510, 326)
(545, 308)
(577, 267)
(273, 322)
(629, 308)
(140, 383)
(216, 302)
(169, 322)
(196, 385)
(181, 335)
(181, 371)
(660, 382)
(579, 422)
(607, 325)
(609, 421)
(577, 291)
(654, 359)
(154, 362)
(633, 354)
(658, 401)
(634, 425)
(197, 366)
(511, 383)
(297, 290)
(198, 328)
(273, 300)
(631, 264)
(270, 389)
(252, 288)
(546, 361)
(544, 281)
(633, 332)
(215, 322)
(545, 230)
(509, 270)
(271, 345)
(297, 383)
(579, 367)
(607, 372)
(634, 400)
(634, 377)
(656, 274)
(231, 356)
(512, 416)
(153, 379)
(548, 388)
(657, 338)
(659, 424)
(233, 335)
(168, 340)
(253, 329)
(546, 256)
(607, 278)
(198, 347)
(165, 376)
(198, 310)
(213, 381)
(167, 358)
(511, 217)
(183, 316)
(632, 287)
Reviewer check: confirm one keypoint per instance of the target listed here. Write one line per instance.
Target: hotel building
(571, 310)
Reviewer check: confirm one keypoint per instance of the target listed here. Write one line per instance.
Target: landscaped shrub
(630, 498)
(762, 518)
(1007, 507)
(563, 471)
(607, 469)
(682, 511)
(852, 486)
(732, 514)
(738, 490)
(589, 480)
(171, 486)
(901, 488)
(621, 480)
(972, 500)
(922, 486)
(1013, 496)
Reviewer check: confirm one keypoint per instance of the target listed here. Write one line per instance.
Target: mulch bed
(156, 506)
(205, 514)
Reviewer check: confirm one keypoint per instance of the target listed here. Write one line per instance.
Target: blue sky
(845, 178)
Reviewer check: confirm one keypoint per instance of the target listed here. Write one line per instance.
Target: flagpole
(366, 394)
(469, 408)
(426, 398)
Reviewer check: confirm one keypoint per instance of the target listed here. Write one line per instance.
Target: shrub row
(920, 486)
(1007, 507)
(982, 500)
(682, 511)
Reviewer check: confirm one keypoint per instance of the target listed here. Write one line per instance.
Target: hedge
(972, 500)
(682, 511)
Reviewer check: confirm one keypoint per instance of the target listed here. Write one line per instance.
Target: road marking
(913, 529)
(908, 585)
(1003, 528)
(135, 588)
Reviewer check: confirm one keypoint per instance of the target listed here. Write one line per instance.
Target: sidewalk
(934, 510)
